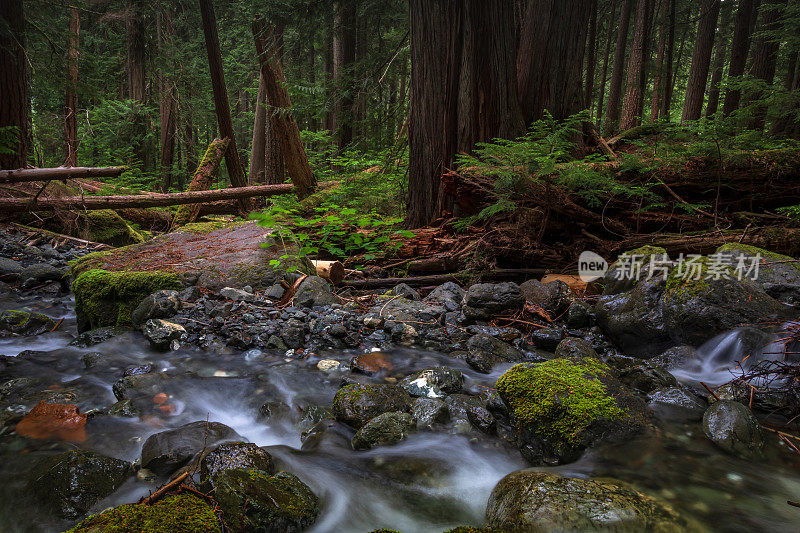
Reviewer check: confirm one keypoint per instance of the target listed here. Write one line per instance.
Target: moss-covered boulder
(534, 501)
(166, 451)
(71, 482)
(232, 456)
(253, 500)
(183, 512)
(617, 278)
(104, 298)
(561, 407)
(777, 274)
(357, 404)
(24, 323)
(108, 227)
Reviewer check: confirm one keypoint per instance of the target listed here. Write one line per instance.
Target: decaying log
(424, 281)
(202, 180)
(23, 175)
(776, 239)
(61, 237)
(333, 271)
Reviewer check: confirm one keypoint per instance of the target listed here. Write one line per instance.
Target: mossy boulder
(357, 404)
(106, 226)
(232, 456)
(254, 500)
(71, 482)
(778, 275)
(618, 279)
(104, 298)
(561, 407)
(166, 451)
(24, 323)
(183, 512)
(534, 501)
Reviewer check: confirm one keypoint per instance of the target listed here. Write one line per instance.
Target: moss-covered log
(23, 175)
(779, 239)
(202, 180)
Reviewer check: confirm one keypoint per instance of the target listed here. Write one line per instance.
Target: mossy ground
(184, 513)
(108, 227)
(561, 397)
(104, 298)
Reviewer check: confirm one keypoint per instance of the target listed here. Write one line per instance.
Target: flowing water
(427, 483)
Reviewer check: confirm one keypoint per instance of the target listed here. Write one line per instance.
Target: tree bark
(15, 102)
(134, 30)
(274, 165)
(740, 45)
(591, 58)
(719, 61)
(615, 89)
(167, 106)
(344, 55)
(71, 101)
(286, 128)
(330, 87)
(701, 60)
(765, 56)
(604, 71)
(786, 122)
(23, 175)
(232, 161)
(202, 180)
(658, 90)
(258, 146)
(664, 110)
(633, 106)
(550, 58)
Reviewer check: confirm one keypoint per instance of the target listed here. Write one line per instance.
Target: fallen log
(53, 236)
(333, 271)
(775, 239)
(202, 180)
(423, 281)
(22, 175)
(16, 205)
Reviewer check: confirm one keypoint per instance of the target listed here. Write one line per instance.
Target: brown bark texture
(740, 45)
(701, 60)
(618, 71)
(71, 100)
(637, 74)
(202, 180)
(15, 102)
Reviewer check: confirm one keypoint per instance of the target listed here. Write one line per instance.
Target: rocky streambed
(340, 411)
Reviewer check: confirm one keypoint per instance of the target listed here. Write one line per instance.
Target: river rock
(254, 500)
(466, 411)
(9, 269)
(677, 405)
(546, 338)
(448, 295)
(732, 427)
(575, 348)
(530, 500)
(677, 357)
(230, 456)
(778, 275)
(165, 452)
(384, 430)
(404, 291)
(237, 295)
(357, 404)
(561, 407)
(429, 411)
(485, 300)
(160, 304)
(314, 292)
(41, 272)
(554, 297)
(24, 323)
(71, 482)
(96, 336)
(485, 351)
(434, 382)
(139, 385)
(161, 333)
(644, 376)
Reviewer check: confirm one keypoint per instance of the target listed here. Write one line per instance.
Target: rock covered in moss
(104, 298)
(434, 382)
(71, 482)
(230, 456)
(778, 275)
(732, 427)
(383, 430)
(166, 451)
(161, 333)
(24, 323)
(562, 406)
(485, 351)
(253, 500)
(183, 512)
(106, 226)
(618, 279)
(356, 404)
(530, 500)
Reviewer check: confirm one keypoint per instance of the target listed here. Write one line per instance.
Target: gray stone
(484, 351)
(314, 292)
(428, 411)
(237, 295)
(448, 295)
(161, 333)
(41, 272)
(165, 452)
(356, 404)
(9, 269)
(160, 304)
(434, 382)
(404, 291)
(732, 427)
(554, 297)
(96, 336)
(485, 300)
(575, 348)
(676, 405)
(384, 430)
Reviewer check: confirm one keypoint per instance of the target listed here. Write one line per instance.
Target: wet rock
(161, 333)
(293, 333)
(384, 430)
(314, 292)
(530, 500)
(677, 405)
(448, 295)
(434, 382)
(356, 404)
(237, 295)
(400, 310)
(274, 410)
(253, 500)
(732, 427)
(546, 338)
(313, 415)
(644, 376)
(328, 365)
(485, 300)
(41, 272)
(91, 360)
(554, 297)
(467, 411)
(778, 274)
(123, 408)
(160, 304)
(677, 357)
(190, 294)
(579, 316)
(140, 385)
(165, 452)
(371, 363)
(230, 456)
(484, 351)
(71, 482)
(619, 278)
(561, 407)
(24, 323)
(429, 411)
(96, 336)
(575, 348)
(10, 269)
(404, 291)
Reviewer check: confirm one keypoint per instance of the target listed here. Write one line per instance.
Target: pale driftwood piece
(332, 271)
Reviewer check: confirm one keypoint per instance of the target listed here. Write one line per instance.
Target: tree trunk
(664, 111)
(591, 58)
(294, 154)
(202, 180)
(765, 55)
(637, 73)
(701, 60)
(344, 55)
(604, 72)
(14, 103)
(134, 31)
(550, 58)
(658, 90)
(232, 161)
(786, 121)
(167, 106)
(71, 103)
(24, 175)
(615, 89)
(719, 61)
(258, 147)
(330, 88)
(740, 45)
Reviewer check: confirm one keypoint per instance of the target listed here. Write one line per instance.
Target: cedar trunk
(591, 58)
(344, 55)
(14, 103)
(202, 180)
(701, 60)
(637, 74)
(71, 102)
(664, 110)
(765, 55)
(258, 146)
(740, 45)
(604, 72)
(615, 89)
(719, 62)
(167, 106)
(658, 90)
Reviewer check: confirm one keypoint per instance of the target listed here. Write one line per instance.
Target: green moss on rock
(561, 397)
(184, 513)
(752, 250)
(87, 262)
(104, 298)
(108, 227)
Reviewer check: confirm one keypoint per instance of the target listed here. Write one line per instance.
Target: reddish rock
(54, 421)
(371, 363)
